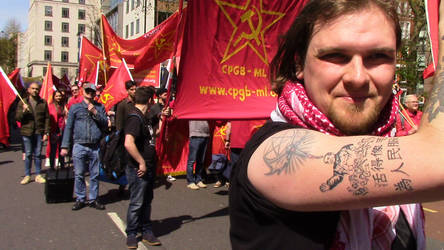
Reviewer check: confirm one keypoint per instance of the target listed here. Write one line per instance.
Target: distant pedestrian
(34, 118)
(86, 121)
(141, 169)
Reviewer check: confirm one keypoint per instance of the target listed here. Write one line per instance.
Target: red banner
(224, 70)
(144, 52)
(148, 77)
(115, 90)
(89, 56)
(7, 97)
(17, 80)
(432, 7)
(48, 86)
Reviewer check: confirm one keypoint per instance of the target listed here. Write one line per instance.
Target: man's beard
(352, 119)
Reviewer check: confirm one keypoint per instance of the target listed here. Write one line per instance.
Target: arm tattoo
(283, 156)
(363, 164)
(436, 102)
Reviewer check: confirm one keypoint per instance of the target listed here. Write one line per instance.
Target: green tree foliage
(8, 45)
(409, 72)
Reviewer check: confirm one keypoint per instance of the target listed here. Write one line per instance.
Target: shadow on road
(168, 225)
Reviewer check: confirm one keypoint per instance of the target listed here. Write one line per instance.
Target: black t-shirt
(138, 126)
(256, 223)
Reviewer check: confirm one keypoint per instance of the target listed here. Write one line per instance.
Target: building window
(82, 14)
(48, 10)
(405, 28)
(137, 3)
(65, 41)
(81, 28)
(132, 4)
(81, 1)
(132, 28)
(48, 40)
(48, 55)
(48, 25)
(162, 16)
(44, 70)
(65, 12)
(137, 26)
(64, 57)
(127, 6)
(65, 1)
(126, 31)
(65, 27)
(63, 71)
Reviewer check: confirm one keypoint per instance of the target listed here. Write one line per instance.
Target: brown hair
(293, 46)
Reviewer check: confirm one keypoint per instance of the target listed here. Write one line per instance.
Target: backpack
(113, 154)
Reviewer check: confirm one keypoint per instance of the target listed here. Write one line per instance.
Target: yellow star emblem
(163, 43)
(250, 32)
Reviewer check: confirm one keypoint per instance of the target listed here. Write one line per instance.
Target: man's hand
(227, 144)
(25, 107)
(64, 152)
(413, 130)
(92, 109)
(142, 170)
(45, 137)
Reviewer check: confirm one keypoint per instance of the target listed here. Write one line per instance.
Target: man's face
(89, 93)
(412, 104)
(349, 68)
(132, 91)
(164, 96)
(34, 90)
(75, 90)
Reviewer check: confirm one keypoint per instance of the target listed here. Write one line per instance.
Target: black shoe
(95, 204)
(131, 242)
(150, 239)
(78, 205)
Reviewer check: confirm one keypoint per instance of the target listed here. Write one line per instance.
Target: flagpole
(103, 49)
(406, 117)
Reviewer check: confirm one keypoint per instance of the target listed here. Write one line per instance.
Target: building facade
(53, 35)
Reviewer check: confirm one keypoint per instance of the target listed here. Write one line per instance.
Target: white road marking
(121, 226)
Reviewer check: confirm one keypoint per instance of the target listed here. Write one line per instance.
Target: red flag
(115, 90)
(7, 96)
(141, 53)
(224, 70)
(48, 86)
(432, 7)
(17, 80)
(89, 55)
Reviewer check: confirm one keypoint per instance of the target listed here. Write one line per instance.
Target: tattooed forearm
(286, 153)
(436, 101)
(363, 163)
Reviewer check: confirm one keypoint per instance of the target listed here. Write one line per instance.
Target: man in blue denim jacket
(84, 127)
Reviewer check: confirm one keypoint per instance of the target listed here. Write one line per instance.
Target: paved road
(183, 219)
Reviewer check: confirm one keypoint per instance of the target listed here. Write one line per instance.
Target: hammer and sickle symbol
(106, 97)
(254, 31)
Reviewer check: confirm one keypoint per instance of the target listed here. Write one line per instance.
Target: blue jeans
(81, 155)
(141, 194)
(198, 148)
(33, 148)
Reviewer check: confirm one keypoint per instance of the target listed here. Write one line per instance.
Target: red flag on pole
(17, 80)
(89, 55)
(7, 96)
(226, 66)
(115, 90)
(432, 24)
(48, 86)
(144, 52)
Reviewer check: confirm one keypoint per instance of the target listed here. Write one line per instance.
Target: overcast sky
(17, 9)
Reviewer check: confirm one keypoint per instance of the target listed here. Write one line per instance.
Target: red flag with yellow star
(115, 90)
(89, 56)
(227, 48)
(48, 86)
(8, 93)
(144, 52)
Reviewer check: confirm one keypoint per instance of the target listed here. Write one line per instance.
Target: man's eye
(335, 58)
(380, 58)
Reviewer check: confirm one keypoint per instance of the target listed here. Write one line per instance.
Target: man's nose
(356, 74)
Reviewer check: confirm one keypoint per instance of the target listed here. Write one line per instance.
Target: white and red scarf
(371, 228)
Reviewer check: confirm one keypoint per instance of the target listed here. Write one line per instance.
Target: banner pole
(103, 48)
